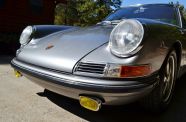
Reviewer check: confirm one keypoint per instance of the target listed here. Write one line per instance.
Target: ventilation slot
(90, 68)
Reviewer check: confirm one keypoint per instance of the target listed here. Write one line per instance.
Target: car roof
(164, 4)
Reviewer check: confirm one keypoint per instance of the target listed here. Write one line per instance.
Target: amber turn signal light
(135, 71)
(121, 71)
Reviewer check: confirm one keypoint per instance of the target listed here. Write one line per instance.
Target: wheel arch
(178, 48)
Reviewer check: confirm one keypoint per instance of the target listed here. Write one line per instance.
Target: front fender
(158, 41)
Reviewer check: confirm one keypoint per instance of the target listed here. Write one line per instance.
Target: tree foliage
(84, 12)
(182, 8)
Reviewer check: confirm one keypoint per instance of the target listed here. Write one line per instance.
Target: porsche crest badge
(49, 47)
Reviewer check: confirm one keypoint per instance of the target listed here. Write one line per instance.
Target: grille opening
(90, 68)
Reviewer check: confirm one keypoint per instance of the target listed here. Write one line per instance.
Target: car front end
(100, 65)
(110, 91)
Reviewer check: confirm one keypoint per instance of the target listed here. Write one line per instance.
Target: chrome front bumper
(110, 91)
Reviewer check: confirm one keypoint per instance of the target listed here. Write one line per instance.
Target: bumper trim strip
(84, 86)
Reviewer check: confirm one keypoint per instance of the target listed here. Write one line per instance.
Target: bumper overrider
(104, 90)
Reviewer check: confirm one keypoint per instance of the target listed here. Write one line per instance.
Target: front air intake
(90, 68)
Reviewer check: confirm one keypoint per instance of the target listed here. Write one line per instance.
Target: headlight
(126, 37)
(26, 35)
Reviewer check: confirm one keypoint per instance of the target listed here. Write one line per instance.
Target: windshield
(164, 13)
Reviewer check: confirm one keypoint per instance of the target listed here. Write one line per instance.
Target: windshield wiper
(113, 22)
(105, 23)
(118, 21)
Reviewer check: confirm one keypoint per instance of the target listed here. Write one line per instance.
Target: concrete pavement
(19, 101)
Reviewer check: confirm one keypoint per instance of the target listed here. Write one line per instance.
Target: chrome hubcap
(168, 79)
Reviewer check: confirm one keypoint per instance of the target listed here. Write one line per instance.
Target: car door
(183, 38)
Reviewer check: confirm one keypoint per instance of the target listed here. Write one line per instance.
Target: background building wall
(15, 15)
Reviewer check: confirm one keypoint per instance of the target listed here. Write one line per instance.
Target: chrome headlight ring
(26, 35)
(126, 37)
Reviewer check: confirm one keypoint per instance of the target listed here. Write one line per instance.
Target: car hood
(61, 51)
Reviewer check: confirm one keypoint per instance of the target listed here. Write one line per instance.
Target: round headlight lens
(126, 37)
(26, 35)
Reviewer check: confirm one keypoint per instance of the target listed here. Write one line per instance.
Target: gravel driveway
(23, 101)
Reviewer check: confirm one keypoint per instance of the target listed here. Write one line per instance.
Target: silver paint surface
(68, 47)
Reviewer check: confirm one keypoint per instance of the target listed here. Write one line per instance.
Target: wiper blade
(113, 22)
(105, 23)
(117, 21)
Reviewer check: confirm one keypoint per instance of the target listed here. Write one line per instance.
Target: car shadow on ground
(132, 112)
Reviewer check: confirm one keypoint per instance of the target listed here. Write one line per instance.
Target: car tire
(160, 97)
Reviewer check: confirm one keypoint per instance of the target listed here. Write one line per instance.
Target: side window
(36, 6)
(2, 3)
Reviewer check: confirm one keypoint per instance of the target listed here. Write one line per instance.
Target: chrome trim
(134, 51)
(29, 38)
(73, 79)
(92, 74)
(180, 18)
(90, 67)
(131, 53)
(110, 64)
(88, 74)
(106, 68)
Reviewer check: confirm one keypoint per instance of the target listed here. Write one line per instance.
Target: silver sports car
(136, 53)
